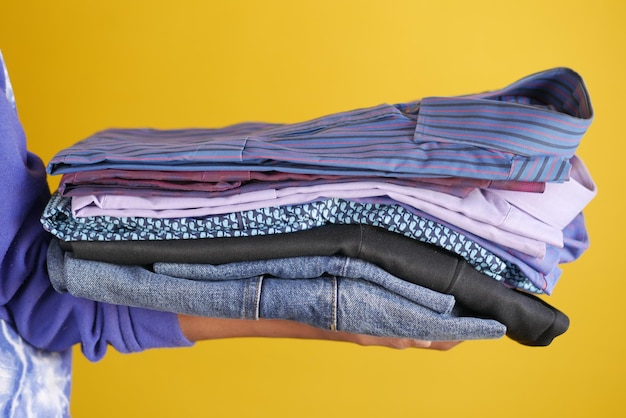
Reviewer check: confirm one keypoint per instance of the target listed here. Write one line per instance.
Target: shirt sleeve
(546, 113)
(43, 317)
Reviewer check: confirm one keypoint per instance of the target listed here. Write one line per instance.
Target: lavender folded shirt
(483, 212)
(506, 226)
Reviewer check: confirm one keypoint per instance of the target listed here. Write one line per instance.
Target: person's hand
(201, 328)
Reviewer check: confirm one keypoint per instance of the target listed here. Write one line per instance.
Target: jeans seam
(343, 269)
(257, 299)
(245, 299)
(333, 315)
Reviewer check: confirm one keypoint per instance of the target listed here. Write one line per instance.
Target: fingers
(395, 343)
(444, 345)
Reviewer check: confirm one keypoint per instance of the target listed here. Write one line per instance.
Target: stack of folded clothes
(440, 219)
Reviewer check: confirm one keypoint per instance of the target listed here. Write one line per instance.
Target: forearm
(201, 328)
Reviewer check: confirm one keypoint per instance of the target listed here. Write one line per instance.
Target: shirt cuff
(545, 114)
(156, 329)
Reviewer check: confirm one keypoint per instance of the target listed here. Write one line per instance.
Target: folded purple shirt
(205, 183)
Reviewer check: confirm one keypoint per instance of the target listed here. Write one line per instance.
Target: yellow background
(79, 66)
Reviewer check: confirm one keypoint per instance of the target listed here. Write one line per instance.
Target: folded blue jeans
(354, 296)
(528, 319)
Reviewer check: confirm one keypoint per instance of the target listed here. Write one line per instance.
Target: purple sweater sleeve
(43, 317)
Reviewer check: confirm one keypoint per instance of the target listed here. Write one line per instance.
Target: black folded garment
(529, 320)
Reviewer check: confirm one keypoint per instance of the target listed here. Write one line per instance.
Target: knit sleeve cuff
(155, 329)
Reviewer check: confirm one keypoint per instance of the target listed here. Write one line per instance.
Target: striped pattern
(525, 132)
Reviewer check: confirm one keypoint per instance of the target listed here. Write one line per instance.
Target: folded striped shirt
(527, 131)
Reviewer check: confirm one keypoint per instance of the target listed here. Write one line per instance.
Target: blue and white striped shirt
(527, 131)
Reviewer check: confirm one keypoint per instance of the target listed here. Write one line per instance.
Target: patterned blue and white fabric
(58, 220)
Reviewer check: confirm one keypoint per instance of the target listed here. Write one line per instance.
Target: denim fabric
(527, 320)
(310, 268)
(33, 383)
(383, 305)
